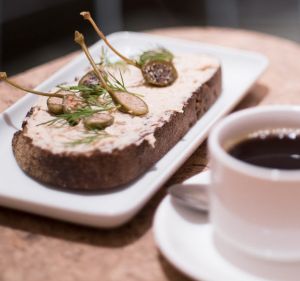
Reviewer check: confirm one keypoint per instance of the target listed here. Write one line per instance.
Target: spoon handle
(194, 196)
(200, 178)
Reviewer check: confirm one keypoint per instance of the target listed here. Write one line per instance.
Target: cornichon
(98, 121)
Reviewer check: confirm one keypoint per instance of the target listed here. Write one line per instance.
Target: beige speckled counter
(35, 248)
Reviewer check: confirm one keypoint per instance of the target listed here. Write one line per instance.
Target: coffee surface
(274, 150)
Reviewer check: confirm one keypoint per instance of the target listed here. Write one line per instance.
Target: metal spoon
(194, 196)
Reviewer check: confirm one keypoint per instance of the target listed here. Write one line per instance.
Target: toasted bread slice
(133, 144)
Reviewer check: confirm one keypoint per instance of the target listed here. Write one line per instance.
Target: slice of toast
(53, 154)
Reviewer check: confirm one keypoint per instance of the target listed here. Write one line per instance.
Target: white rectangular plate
(111, 209)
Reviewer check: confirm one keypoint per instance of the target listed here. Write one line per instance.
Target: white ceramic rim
(226, 159)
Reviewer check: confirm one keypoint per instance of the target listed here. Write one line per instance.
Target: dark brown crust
(108, 170)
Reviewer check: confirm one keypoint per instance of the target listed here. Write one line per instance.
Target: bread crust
(99, 170)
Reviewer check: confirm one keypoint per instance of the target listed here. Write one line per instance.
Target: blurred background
(33, 32)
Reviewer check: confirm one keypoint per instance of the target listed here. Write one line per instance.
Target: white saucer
(185, 239)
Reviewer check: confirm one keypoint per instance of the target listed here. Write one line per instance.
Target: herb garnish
(159, 54)
(74, 117)
(128, 102)
(105, 61)
(118, 84)
(96, 97)
(84, 89)
(91, 89)
(89, 137)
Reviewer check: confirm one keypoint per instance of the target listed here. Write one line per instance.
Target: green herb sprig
(159, 54)
(116, 84)
(84, 90)
(91, 94)
(89, 137)
(119, 84)
(112, 81)
(130, 104)
(106, 62)
(74, 117)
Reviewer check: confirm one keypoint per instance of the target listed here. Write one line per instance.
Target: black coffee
(279, 150)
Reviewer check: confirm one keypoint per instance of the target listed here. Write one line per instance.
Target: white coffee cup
(255, 209)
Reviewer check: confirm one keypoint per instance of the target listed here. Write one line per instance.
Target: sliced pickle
(98, 121)
(55, 105)
(129, 103)
(89, 79)
(159, 73)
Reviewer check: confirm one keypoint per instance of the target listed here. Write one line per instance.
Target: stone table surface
(34, 248)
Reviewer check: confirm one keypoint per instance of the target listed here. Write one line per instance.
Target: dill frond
(159, 54)
(89, 137)
(74, 117)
